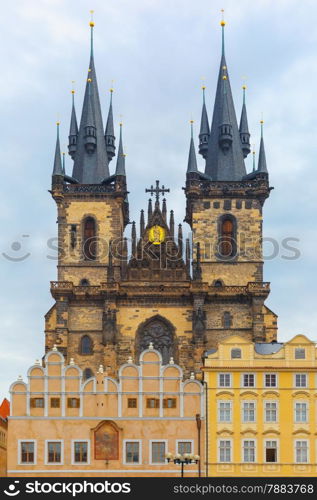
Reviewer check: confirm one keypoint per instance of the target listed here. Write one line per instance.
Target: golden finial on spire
(224, 77)
(73, 85)
(111, 88)
(89, 80)
(244, 87)
(92, 24)
(89, 70)
(222, 22)
(121, 122)
(58, 123)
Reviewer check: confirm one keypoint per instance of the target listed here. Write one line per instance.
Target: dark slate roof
(211, 351)
(120, 167)
(204, 122)
(57, 169)
(267, 348)
(192, 161)
(229, 165)
(244, 127)
(262, 159)
(109, 126)
(73, 129)
(91, 168)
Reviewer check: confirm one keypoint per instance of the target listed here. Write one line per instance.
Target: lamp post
(185, 459)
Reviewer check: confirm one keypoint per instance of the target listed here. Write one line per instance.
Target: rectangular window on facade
(132, 403)
(270, 380)
(54, 452)
(271, 451)
(224, 451)
(37, 402)
(300, 353)
(73, 402)
(301, 452)
(158, 452)
(27, 452)
(249, 450)
(152, 403)
(81, 452)
(224, 411)
(184, 447)
(132, 452)
(248, 380)
(248, 411)
(55, 402)
(301, 412)
(224, 379)
(270, 411)
(169, 403)
(300, 380)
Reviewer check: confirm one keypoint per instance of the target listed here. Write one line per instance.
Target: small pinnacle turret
(90, 138)
(120, 168)
(57, 168)
(262, 167)
(109, 132)
(73, 130)
(192, 161)
(204, 129)
(244, 128)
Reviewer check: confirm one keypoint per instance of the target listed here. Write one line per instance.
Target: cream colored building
(63, 425)
(262, 408)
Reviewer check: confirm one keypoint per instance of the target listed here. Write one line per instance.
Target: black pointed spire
(172, 224)
(180, 240)
(225, 157)
(187, 255)
(90, 138)
(262, 159)
(63, 164)
(204, 129)
(91, 167)
(164, 209)
(149, 210)
(109, 132)
(57, 168)
(244, 128)
(133, 238)
(120, 168)
(192, 161)
(73, 130)
(142, 223)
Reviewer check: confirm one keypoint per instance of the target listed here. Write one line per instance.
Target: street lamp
(185, 459)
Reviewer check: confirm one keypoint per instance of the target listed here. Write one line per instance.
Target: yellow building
(262, 408)
(62, 425)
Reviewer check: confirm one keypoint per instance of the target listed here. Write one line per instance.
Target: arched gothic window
(89, 239)
(88, 373)
(84, 282)
(86, 345)
(160, 334)
(227, 246)
(226, 319)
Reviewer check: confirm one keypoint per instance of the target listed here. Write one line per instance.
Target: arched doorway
(160, 333)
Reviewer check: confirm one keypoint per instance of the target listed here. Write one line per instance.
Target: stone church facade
(114, 296)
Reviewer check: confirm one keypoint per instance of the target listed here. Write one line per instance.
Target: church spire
(91, 163)
(204, 129)
(73, 129)
(192, 162)
(244, 128)
(225, 157)
(109, 132)
(262, 159)
(120, 168)
(57, 168)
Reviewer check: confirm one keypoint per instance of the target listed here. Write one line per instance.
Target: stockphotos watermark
(245, 247)
(73, 488)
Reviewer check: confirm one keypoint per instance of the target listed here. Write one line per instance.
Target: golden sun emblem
(156, 235)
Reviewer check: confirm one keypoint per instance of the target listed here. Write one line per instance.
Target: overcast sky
(157, 52)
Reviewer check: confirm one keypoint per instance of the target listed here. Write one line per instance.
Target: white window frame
(308, 451)
(301, 401)
(125, 441)
(300, 386)
(218, 411)
(46, 462)
(255, 451)
(20, 441)
(270, 401)
(224, 386)
(184, 441)
(242, 411)
(150, 450)
(231, 449)
(270, 386)
(73, 462)
(248, 386)
(277, 450)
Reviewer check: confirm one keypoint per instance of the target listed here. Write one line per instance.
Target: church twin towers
(112, 299)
